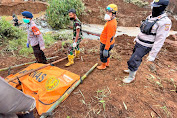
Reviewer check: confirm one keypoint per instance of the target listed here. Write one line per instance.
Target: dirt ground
(153, 94)
(8, 9)
(129, 15)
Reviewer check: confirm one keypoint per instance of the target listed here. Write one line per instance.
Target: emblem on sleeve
(167, 27)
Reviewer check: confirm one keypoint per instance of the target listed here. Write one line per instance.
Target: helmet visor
(109, 9)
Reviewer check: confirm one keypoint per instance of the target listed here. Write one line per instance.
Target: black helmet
(159, 3)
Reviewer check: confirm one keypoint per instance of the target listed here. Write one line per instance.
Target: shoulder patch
(167, 27)
(35, 30)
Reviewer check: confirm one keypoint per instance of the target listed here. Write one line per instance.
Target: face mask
(26, 20)
(71, 18)
(107, 17)
(157, 11)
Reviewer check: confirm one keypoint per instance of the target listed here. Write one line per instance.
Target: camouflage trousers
(71, 48)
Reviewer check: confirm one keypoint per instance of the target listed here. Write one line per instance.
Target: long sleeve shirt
(34, 36)
(161, 28)
(108, 33)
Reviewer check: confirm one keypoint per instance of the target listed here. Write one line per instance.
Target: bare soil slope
(152, 94)
(7, 9)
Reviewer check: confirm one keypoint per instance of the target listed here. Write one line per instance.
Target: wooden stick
(24, 64)
(31, 71)
(152, 109)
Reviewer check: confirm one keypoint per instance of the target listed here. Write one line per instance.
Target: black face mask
(71, 18)
(157, 11)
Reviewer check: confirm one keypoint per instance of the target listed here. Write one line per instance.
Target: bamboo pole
(69, 91)
(24, 64)
(31, 71)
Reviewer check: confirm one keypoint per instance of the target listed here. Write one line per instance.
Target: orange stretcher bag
(46, 85)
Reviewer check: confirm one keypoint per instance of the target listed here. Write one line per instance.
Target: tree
(57, 12)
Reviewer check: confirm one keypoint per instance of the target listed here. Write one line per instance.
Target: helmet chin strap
(113, 16)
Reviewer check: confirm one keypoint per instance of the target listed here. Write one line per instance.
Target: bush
(20, 44)
(8, 31)
(48, 39)
(57, 12)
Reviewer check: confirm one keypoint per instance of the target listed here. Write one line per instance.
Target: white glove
(74, 44)
(149, 58)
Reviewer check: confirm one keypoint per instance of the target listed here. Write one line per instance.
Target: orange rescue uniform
(108, 33)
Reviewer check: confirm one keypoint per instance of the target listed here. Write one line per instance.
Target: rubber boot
(130, 78)
(102, 67)
(127, 71)
(108, 61)
(77, 54)
(71, 60)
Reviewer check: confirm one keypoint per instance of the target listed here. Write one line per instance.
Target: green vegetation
(49, 38)
(20, 44)
(57, 12)
(15, 39)
(139, 3)
(8, 31)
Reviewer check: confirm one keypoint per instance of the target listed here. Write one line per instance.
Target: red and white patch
(35, 30)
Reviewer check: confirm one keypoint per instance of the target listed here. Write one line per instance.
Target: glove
(74, 44)
(149, 58)
(105, 53)
(27, 45)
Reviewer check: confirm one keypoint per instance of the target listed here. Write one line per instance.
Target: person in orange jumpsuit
(107, 36)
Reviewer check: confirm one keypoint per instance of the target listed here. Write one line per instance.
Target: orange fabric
(35, 30)
(46, 85)
(102, 66)
(15, 83)
(108, 32)
(108, 61)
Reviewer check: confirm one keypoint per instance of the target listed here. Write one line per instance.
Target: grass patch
(115, 55)
(8, 31)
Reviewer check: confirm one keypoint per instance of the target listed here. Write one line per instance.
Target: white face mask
(107, 17)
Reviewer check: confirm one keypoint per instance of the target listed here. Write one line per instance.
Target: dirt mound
(9, 1)
(172, 37)
(129, 15)
(18, 7)
(152, 90)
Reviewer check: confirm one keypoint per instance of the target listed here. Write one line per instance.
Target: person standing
(15, 20)
(35, 38)
(77, 33)
(154, 31)
(107, 36)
